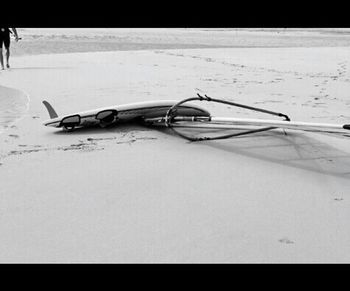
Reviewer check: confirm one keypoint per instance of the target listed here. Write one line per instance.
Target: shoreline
(14, 104)
(39, 41)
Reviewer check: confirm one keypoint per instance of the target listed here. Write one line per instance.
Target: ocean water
(13, 106)
(70, 40)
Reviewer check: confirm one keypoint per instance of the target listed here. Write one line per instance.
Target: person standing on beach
(5, 40)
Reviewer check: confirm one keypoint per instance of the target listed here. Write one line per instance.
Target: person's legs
(1, 59)
(7, 57)
(7, 47)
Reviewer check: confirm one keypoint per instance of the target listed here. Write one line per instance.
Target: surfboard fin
(51, 111)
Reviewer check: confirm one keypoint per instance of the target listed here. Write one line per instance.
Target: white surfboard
(187, 115)
(119, 113)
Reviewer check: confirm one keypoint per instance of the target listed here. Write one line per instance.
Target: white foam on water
(13, 106)
(69, 40)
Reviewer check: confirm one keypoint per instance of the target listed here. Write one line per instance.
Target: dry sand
(134, 194)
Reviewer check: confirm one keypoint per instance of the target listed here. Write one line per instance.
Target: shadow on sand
(294, 149)
(97, 130)
(297, 150)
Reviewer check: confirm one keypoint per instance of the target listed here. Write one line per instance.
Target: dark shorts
(4, 40)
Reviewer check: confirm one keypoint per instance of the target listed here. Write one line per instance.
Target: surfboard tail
(50, 109)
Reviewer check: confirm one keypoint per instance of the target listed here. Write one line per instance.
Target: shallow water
(13, 106)
(68, 40)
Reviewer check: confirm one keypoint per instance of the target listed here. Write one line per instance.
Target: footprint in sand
(286, 241)
(21, 152)
(96, 139)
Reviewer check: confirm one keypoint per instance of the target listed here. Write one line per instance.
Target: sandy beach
(136, 194)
